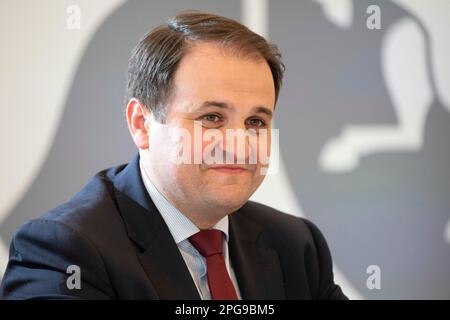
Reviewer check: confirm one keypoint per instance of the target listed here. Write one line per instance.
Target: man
(160, 228)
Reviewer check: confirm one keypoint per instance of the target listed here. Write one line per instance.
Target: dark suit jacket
(112, 230)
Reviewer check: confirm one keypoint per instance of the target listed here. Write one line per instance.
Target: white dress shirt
(181, 229)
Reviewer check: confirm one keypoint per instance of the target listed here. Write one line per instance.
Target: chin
(230, 203)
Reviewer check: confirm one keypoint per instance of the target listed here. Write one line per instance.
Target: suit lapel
(256, 265)
(159, 256)
(167, 270)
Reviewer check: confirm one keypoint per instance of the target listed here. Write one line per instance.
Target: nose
(239, 145)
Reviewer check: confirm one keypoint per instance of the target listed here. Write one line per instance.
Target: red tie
(209, 244)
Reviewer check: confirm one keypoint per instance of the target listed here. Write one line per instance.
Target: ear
(137, 115)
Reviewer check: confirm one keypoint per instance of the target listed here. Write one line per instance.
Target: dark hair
(155, 58)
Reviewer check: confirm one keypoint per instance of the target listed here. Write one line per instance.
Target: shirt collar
(180, 226)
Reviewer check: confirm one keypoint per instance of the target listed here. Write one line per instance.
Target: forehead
(210, 72)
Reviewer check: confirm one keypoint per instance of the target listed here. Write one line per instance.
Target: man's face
(212, 90)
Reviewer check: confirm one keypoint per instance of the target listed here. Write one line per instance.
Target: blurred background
(364, 120)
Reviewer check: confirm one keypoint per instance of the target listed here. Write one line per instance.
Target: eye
(211, 118)
(256, 122)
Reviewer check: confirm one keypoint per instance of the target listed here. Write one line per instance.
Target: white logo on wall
(409, 88)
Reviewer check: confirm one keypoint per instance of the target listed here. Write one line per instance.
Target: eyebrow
(224, 105)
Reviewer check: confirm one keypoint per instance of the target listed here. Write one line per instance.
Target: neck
(204, 217)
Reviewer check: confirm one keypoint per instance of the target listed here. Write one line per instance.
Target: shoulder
(280, 224)
(65, 236)
(74, 225)
(299, 243)
(292, 237)
(90, 208)
(75, 221)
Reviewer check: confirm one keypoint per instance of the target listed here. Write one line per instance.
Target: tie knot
(207, 242)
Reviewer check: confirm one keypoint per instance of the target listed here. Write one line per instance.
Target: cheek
(264, 147)
(187, 176)
(166, 143)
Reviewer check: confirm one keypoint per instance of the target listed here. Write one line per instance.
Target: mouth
(229, 169)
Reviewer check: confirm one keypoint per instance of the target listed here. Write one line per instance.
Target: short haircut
(155, 58)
